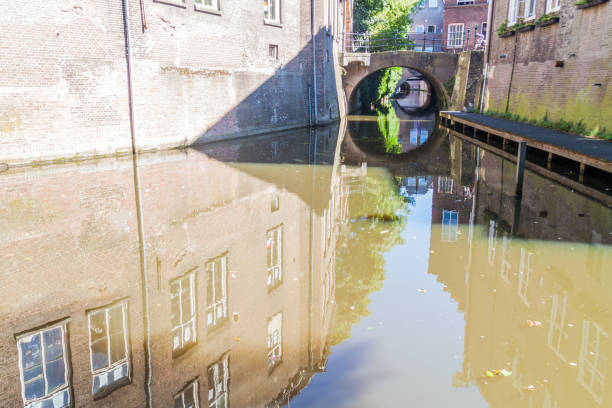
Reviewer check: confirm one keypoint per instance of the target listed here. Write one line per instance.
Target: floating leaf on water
(422, 290)
(533, 323)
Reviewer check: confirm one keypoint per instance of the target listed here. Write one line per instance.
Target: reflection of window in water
(274, 250)
(109, 347)
(183, 313)
(556, 332)
(505, 259)
(216, 292)
(274, 340)
(445, 185)
(450, 222)
(414, 136)
(524, 273)
(591, 361)
(424, 135)
(218, 380)
(188, 397)
(492, 242)
(44, 368)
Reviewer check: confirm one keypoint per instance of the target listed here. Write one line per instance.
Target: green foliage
(449, 85)
(546, 17)
(389, 126)
(578, 128)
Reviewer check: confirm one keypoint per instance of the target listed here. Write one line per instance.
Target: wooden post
(581, 173)
(520, 168)
(549, 161)
(504, 144)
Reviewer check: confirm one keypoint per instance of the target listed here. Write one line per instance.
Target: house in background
(465, 25)
(427, 26)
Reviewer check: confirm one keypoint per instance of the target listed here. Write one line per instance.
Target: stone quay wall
(561, 71)
(198, 75)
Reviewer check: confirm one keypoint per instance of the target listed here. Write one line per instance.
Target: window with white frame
(524, 274)
(433, 3)
(109, 348)
(207, 4)
(483, 30)
(183, 313)
(272, 11)
(454, 36)
(492, 242)
(274, 251)
(420, 28)
(216, 292)
(275, 340)
(445, 185)
(592, 362)
(556, 331)
(530, 9)
(513, 6)
(43, 365)
(552, 5)
(188, 396)
(506, 253)
(450, 224)
(218, 381)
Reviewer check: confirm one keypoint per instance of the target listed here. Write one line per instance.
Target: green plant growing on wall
(544, 18)
(503, 29)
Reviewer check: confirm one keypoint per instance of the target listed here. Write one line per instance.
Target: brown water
(284, 270)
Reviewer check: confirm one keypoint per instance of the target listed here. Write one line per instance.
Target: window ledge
(273, 23)
(176, 3)
(207, 10)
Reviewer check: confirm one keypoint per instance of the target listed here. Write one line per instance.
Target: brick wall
(579, 90)
(198, 76)
(470, 15)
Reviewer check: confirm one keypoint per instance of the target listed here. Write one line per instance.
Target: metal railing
(402, 41)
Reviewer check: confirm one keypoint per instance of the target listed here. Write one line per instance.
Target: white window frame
(454, 38)
(445, 183)
(112, 369)
(558, 312)
(218, 391)
(272, 19)
(178, 3)
(63, 390)
(592, 362)
(200, 5)
(450, 225)
(274, 340)
(274, 266)
(513, 8)
(420, 28)
(194, 385)
(553, 5)
(506, 255)
(216, 308)
(433, 4)
(530, 5)
(524, 275)
(185, 324)
(483, 30)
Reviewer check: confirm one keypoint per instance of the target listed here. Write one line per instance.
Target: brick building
(465, 25)
(559, 68)
(228, 300)
(200, 70)
(427, 25)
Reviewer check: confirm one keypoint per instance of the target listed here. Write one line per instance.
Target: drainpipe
(487, 52)
(314, 59)
(130, 78)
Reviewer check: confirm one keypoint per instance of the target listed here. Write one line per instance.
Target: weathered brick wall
(579, 90)
(197, 76)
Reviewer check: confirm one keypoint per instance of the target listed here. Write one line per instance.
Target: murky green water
(307, 270)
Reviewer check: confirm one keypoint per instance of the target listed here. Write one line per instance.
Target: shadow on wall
(286, 100)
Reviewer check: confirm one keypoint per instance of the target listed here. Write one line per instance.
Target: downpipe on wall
(314, 59)
(130, 78)
(487, 54)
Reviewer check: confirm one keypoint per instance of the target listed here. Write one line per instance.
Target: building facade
(428, 25)
(85, 80)
(465, 25)
(557, 66)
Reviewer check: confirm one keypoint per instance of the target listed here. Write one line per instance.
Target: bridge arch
(436, 67)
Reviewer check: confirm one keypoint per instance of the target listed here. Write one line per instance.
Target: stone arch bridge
(436, 67)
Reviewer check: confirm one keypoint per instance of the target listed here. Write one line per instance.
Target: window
(505, 259)
(218, 380)
(592, 361)
(552, 5)
(188, 396)
(433, 3)
(492, 242)
(445, 185)
(272, 11)
(420, 28)
(44, 368)
(513, 11)
(275, 340)
(216, 292)
(431, 28)
(274, 250)
(556, 331)
(483, 30)
(524, 273)
(450, 222)
(454, 38)
(207, 4)
(464, 2)
(108, 344)
(183, 313)
(530, 9)
(273, 51)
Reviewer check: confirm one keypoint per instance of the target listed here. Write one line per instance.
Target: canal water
(378, 263)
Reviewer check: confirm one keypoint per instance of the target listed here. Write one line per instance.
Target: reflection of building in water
(413, 91)
(415, 185)
(234, 298)
(536, 309)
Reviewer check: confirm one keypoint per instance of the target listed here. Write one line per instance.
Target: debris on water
(422, 290)
(495, 373)
(533, 323)
(570, 325)
(573, 364)
(530, 387)
(384, 231)
(432, 252)
(370, 328)
(352, 307)
(238, 339)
